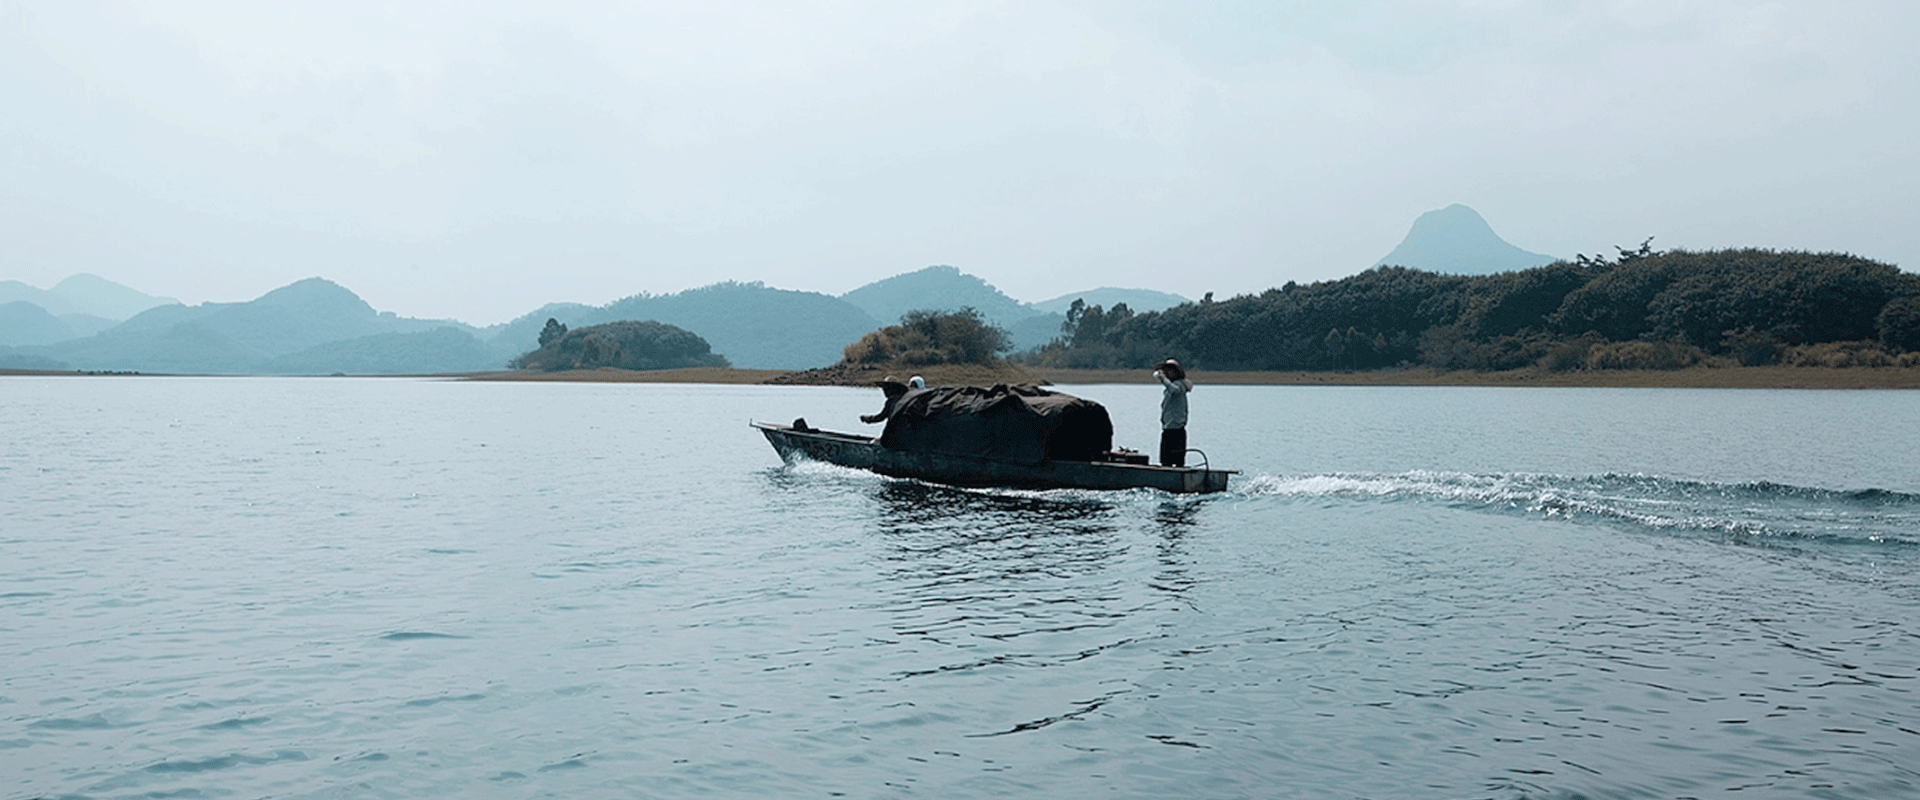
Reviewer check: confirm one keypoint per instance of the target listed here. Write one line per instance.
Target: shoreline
(1771, 377)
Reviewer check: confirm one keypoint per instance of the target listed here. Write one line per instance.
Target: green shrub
(931, 337)
(1644, 355)
(1569, 355)
(1899, 324)
(626, 345)
(1839, 354)
(1446, 347)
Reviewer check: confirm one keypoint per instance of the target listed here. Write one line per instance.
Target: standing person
(1173, 412)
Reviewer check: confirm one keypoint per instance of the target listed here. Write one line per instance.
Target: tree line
(1642, 309)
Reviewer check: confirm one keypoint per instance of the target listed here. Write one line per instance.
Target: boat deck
(864, 452)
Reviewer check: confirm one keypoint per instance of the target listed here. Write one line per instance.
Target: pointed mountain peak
(1455, 216)
(1457, 240)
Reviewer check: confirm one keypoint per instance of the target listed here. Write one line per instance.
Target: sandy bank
(1693, 378)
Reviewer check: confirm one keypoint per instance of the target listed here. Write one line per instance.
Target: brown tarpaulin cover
(1019, 423)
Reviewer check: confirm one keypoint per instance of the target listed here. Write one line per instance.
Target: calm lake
(396, 588)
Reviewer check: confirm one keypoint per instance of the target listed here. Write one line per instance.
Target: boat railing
(1204, 464)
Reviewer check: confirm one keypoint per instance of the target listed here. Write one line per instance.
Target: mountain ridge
(237, 338)
(84, 293)
(316, 326)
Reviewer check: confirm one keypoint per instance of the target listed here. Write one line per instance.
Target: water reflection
(1174, 519)
(940, 532)
(988, 580)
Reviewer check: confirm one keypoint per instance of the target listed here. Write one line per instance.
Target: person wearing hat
(1173, 412)
(894, 390)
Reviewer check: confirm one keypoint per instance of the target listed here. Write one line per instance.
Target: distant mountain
(439, 350)
(9, 359)
(937, 288)
(315, 326)
(1034, 331)
(944, 288)
(186, 347)
(26, 323)
(87, 324)
(1138, 300)
(751, 325)
(84, 294)
(229, 338)
(295, 317)
(1455, 240)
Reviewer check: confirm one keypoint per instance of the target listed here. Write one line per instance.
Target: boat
(866, 453)
(1018, 436)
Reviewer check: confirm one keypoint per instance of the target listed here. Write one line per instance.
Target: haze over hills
(758, 327)
(945, 288)
(754, 326)
(1029, 325)
(81, 305)
(936, 288)
(1139, 300)
(315, 326)
(84, 293)
(22, 322)
(1456, 240)
(310, 317)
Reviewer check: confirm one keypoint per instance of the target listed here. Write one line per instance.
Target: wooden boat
(865, 452)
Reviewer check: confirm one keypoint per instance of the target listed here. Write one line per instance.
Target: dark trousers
(1173, 447)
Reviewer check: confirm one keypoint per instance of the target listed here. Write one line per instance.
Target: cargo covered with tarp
(1022, 423)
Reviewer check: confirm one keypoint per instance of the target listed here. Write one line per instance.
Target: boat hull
(861, 452)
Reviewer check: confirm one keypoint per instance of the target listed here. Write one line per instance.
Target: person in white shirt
(1173, 412)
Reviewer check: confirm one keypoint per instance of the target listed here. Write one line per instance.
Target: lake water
(308, 588)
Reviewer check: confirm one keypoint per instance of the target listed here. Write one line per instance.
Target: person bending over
(894, 390)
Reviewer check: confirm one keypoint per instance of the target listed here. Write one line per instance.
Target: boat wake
(1759, 510)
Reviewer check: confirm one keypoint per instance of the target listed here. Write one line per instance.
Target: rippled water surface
(397, 588)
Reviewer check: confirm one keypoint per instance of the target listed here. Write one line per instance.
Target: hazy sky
(476, 159)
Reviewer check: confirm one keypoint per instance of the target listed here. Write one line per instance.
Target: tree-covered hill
(626, 344)
(1645, 309)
